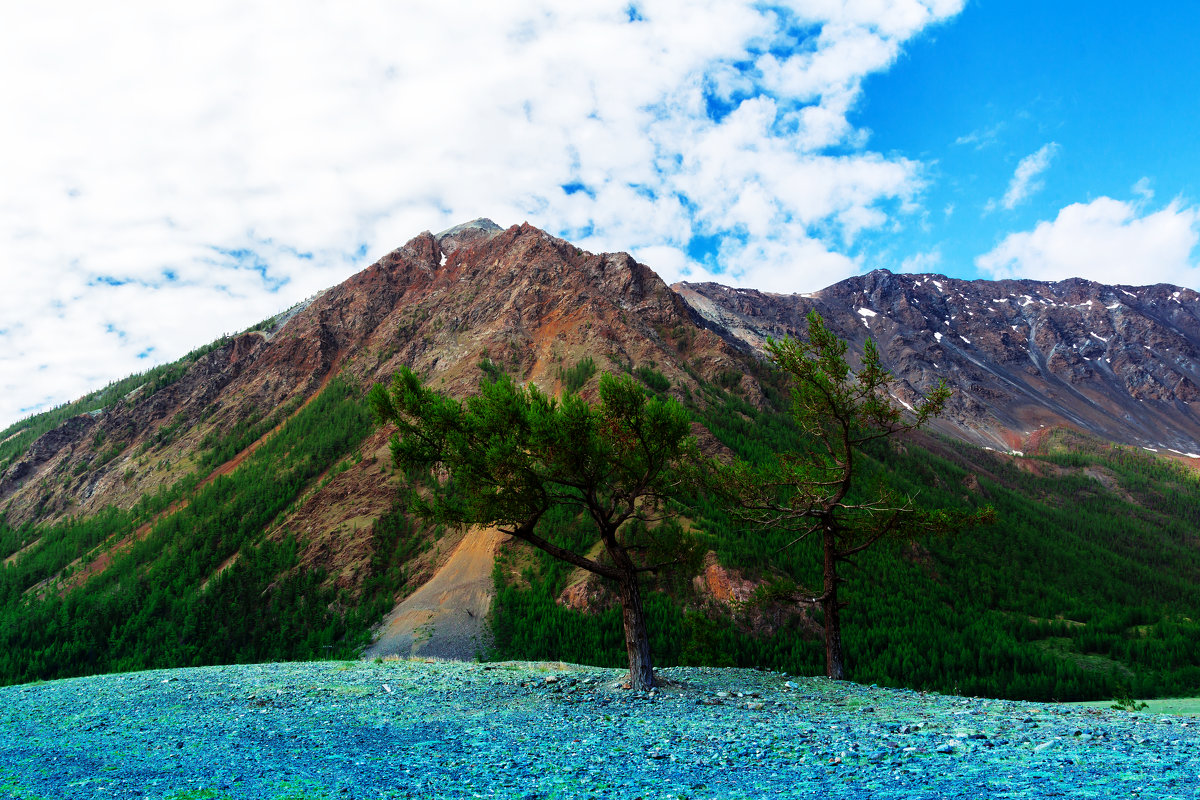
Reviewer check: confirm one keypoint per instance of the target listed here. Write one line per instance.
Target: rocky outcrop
(51, 445)
(723, 585)
(473, 232)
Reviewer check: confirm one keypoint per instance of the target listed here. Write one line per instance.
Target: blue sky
(172, 172)
(1112, 89)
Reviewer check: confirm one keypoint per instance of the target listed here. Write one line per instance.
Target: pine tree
(817, 490)
(509, 455)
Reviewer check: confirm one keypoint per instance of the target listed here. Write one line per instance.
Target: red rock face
(722, 584)
(1122, 362)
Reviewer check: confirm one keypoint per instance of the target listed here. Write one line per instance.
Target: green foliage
(1124, 701)
(394, 542)
(529, 624)
(114, 450)
(221, 444)
(653, 379)
(491, 369)
(512, 455)
(729, 379)
(166, 433)
(816, 489)
(976, 614)
(831, 402)
(574, 378)
(146, 609)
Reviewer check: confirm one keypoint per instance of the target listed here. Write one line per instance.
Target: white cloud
(927, 261)
(1107, 241)
(786, 265)
(982, 137)
(149, 138)
(1026, 178)
(1144, 189)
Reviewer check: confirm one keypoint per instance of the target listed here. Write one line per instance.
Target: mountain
(230, 453)
(239, 504)
(532, 304)
(1121, 362)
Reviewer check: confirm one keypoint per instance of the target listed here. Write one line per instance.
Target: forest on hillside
(178, 596)
(1086, 587)
(1077, 592)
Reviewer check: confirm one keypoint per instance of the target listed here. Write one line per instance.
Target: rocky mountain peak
(451, 239)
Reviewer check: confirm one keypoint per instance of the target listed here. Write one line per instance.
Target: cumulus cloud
(1105, 240)
(1026, 179)
(175, 171)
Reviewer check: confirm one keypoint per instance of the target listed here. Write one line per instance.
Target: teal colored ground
(460, 730)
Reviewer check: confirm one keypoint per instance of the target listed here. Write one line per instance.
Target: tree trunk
(637, 637)
(835, 658)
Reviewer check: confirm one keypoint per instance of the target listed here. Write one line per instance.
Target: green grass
(1062, 648)
(1181, 706)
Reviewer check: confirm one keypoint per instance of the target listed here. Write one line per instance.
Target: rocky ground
(396, 729)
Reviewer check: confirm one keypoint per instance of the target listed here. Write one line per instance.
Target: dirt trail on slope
(445, 618)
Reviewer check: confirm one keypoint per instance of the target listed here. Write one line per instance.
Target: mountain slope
(531, 303)
(218, 475)
(1122, 362)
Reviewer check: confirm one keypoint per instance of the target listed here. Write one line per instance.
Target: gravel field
(401, 729)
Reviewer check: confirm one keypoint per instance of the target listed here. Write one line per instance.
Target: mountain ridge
(1122, 362)
(530, 303)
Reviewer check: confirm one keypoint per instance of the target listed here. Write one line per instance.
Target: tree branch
(658, 566)
(799, 538)
(525, 533)
(884, 530)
